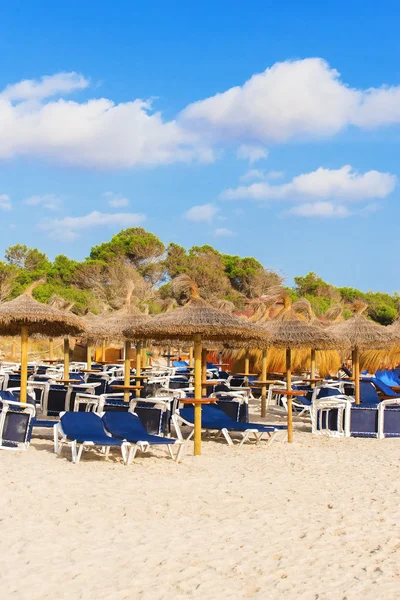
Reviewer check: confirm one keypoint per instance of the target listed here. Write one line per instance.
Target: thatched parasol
(195, 321)
(97, 333)
(362, 334)
(288, 331)
(26, 316)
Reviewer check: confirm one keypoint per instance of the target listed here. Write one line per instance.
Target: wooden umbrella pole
(51, 349)
(144, 355)
(66, 358)
(246, 368)
(197, 394)
(191, 357)
(103, 351)
(313, 366)
(204, 370)
(353, 361)
(356, 374)
(127, 369)
(169, 356)
(264, 387)
(138, 366)
(289, 398)
(89, 357)
(24, 363)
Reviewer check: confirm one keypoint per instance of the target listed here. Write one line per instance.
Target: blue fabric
(214, 418)
(364, 420)
(127, 426)
(385, 389)
(86, 427)
(180, 363)
(389, 377)
(7, 395)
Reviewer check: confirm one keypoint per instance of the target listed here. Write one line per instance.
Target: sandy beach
(315, 520)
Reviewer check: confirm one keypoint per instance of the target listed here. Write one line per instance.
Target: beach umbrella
(194, 321)
(288, 331)
(97, 333)
(25, 316)
(129, 316)
(362, 334)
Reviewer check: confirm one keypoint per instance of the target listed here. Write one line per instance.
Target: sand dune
(315, 520)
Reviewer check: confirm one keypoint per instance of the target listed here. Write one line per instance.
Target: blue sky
(263, 130)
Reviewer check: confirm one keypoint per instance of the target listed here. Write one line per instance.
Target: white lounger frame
(27, 409)
(177, 421)
(322, 407)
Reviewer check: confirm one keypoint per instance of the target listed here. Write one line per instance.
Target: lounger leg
(55, 436)
(179, 454)
(124, 452)
(227, 436)
(170, 451)
(106, 451)
(244, 438)
(78, 457)
(73, 452)
(132, 454)
(272, 436)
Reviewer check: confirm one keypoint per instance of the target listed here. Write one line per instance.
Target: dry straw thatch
(195, 317)
(362, 334)
(39, 318)
(288, 330)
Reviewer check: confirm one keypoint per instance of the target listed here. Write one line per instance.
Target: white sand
(319, 519)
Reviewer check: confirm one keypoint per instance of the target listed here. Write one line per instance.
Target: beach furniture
(215, 419)
(129, 427)
(85, 430)
(15, 422)
(233, 404)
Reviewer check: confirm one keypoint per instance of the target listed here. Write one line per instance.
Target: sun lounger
(128, 426)
(15, 423)
(86, 430)
(214, 419)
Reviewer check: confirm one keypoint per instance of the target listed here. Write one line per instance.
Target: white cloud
(292, 99)
(203, 212)
(302, 99)
(95, 133)
(319, 209)
(223, 232)
(49, 201)
(252, 174)
(5, 202)
(116, 200)
(341, 184)
(252, 153)
(46, 87)
(275, 175)
(68, 228)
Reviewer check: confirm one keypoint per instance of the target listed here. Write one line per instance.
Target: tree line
(137, 258)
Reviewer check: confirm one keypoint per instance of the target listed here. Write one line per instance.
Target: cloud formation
(69, 228)
(48, 201)
(324, 192)
(302, 99)
(201, 213)
(116, 200)
(5, 202)
(224, 232)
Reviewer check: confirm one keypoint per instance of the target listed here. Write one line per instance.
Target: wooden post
(103, 351)
(313, 366)
(66, 358)
(89, 356)
(289, 398)
(127, 370)
(197, 394)
(24, 364)
(144, 355)
(264, 387)
(356, 374)
(169, 356)
(246, 368)
(204, 370)
(353, 360)
(51, 349)
(138, 366)
(191, 357)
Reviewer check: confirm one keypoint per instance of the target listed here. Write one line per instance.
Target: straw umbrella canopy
(362, 334)
(97, 333)
(129, 316)
(25, 316)
(289, 332)
(196, 320)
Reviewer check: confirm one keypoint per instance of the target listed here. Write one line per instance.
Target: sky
(264, 129)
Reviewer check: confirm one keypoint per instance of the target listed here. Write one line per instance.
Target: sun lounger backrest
(82, 425)
(124, 425)
(368, 393)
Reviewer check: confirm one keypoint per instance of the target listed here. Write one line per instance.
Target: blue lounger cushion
(214, 418)
(127, 426)
(86, 427)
